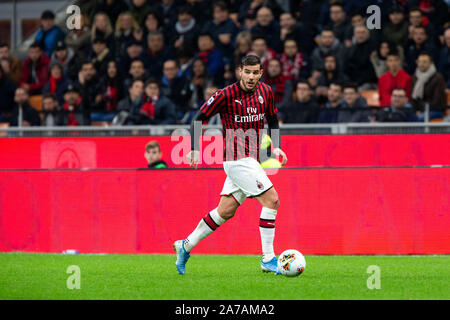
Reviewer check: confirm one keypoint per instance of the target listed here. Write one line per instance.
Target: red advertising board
(302, 151)
(322, 211)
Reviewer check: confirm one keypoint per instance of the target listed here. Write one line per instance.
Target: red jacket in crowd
(42, 71)
(388, 82)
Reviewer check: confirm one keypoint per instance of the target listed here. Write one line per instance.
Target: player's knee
(226, 213)
(275, 203)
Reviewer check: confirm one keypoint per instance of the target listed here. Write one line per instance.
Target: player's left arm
(274, 129)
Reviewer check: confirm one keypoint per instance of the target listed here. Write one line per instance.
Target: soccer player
(243, 107)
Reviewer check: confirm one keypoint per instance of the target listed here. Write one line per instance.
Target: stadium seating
(372, 97)
(36, 102)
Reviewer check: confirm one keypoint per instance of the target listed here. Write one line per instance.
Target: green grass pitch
(217, 277)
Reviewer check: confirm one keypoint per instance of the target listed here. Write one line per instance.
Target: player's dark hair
(152, 145)
(250, 60)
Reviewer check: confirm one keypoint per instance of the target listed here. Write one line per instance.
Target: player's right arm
(207, 110)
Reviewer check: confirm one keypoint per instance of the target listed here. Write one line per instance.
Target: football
(291, 263)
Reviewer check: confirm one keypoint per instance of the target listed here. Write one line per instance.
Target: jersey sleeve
(215, 104)
(271, 108)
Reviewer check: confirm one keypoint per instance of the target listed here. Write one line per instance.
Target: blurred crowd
(135, 62)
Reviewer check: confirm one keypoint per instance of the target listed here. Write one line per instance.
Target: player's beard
(246, 88)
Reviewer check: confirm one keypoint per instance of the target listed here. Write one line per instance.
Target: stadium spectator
(126, 31)
(281, 86)
(260, 48)
(157, 109)
(152, 22)
(201, 10)
(211, 56)
(35, 70)
(243, 45)
(131, 104)
(397, 111)
(23, 114)
(339, 23)
(396, 29)
(329, 112)
(167, 9)
(67, 59)
(200, 80)
(135, 50)
(185, 58)
(73, 112)
(100, 55)
(415, 46)
(15, 65)
(328, 45)
(136, 72)
(417, 19)
(89, 88)
(57, 82)
(50, 110)
(183, 34)
(354, 107)
(222, 29)
(139, 10)
(298, 31)
(444, 58)
(156, 54)
(378, 58)
(248, 22)
(48, 34)
(269, 27)
(113, 8)
(304, 109)
(428, 86)
(358, 66)
(176, 87)
(112, 89)
(249, 8)
(102, 28)
(357, 19)
(295, 64)
(78, 40)
(331, 74)
(7, 93)
(396, 77)
(153, 156)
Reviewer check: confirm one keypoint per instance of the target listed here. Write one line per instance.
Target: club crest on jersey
(259, 185)
(260, 99)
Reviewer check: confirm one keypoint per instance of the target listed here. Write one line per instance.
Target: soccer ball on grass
(291, 263)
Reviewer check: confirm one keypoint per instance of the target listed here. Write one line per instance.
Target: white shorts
(245, 179)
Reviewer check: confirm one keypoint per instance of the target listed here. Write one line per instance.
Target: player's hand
(193, 158)
(280, 153)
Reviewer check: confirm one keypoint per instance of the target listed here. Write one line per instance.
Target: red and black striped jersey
(242, 114)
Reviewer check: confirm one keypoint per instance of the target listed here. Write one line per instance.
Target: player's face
(250, 76)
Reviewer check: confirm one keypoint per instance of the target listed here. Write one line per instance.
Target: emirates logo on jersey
(249, 118)
(259, 185)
